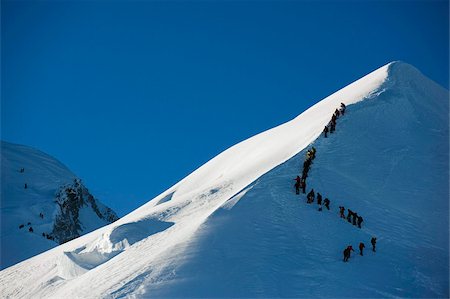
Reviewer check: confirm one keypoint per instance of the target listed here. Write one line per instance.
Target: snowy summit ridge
(236, 228)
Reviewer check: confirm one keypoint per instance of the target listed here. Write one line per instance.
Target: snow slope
(235, 228)
(44, 176)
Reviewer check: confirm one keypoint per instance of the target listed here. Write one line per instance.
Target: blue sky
(134, 95)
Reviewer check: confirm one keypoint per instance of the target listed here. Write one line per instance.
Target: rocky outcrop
(70, 200)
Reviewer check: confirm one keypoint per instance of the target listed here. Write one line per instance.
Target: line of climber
(349, 249)
(352, 217)
(311, 197)
(331, 127)
(301, 181)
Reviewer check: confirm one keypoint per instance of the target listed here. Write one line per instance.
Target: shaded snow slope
(235, 228)
(44, 177)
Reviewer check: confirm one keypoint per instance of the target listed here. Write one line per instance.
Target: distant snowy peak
(43, 204)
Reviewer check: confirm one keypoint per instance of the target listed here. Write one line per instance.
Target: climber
(361, 247)
(374, 243)
(310, 196)
(303, 185)
(349, 215)
(313, 152)
(347, 252)
(343, 108)
(22, 170)
(307, 165)
(336, 112)
(305, 170)
(26, 186)
(326, 203)
(355, 215)
(21, 226)
(332, 127)
(304, 173)
(325, 131)
(319, 199)
(30, 229)
(297, 185)
(342, 211)
(41, 215)
(360, 220)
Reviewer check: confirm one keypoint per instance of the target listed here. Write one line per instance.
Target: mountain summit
(236, 228)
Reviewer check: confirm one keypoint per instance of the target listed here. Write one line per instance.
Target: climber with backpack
(342, 211)
(349, 215)
(361, 247)
(374, 243)
(325, 131)
(347, 252)
(360, 220)
(297, 185)
(310, 196)
(326, 203)
(343, 108)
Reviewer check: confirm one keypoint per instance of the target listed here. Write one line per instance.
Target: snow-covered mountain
(236, 228)
(43, 204)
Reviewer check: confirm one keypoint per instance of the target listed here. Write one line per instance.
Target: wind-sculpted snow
(109, 245)
(235, 228)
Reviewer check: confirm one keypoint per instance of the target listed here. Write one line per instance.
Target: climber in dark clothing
(361, 247)
(307, 164)
(297, 185)
(310, 196)
(26, 186)
(30, 229)
(332, 127)
(313, 153)
(303, 185)
(319, 199)
(21, 226)
(304, 173)
(347, 252)
(374, 243)
(343, 108)
(336, 112)
(349, 215)
(325, 131)
(326, 203)
(360, 220)
(355, 215)
(342, 211)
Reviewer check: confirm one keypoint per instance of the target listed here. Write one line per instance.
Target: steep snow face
(221, 231)
(30, 181)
